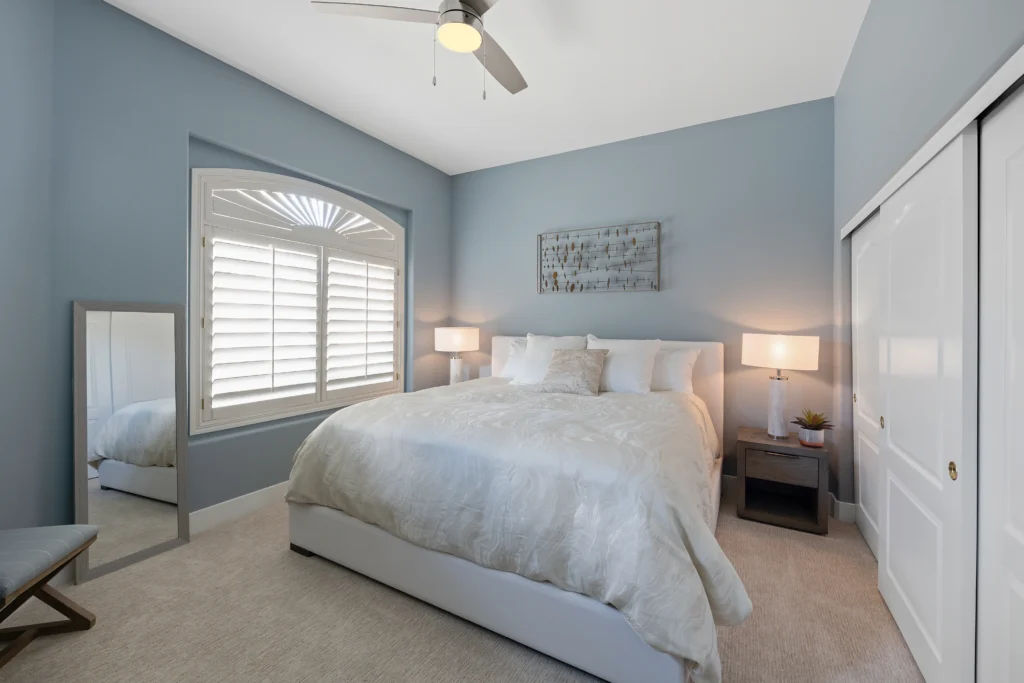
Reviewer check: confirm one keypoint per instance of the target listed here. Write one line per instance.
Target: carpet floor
(236, 605)
(128, 523)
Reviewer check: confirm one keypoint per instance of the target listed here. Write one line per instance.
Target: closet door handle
(881, 422)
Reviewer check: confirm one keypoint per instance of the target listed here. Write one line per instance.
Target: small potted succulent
(812, 428)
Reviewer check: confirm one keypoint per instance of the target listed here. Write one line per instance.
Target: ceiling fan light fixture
(459, 30)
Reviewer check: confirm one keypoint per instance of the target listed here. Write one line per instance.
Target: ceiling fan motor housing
(455, 12)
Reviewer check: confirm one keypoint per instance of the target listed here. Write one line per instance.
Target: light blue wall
(128, 98)
(746, 212)
(27, 491)
(914, 64)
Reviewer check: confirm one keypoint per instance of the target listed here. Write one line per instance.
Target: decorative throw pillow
(538, 355)
(574, 371)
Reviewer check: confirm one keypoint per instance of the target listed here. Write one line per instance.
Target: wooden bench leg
(78, 619)
(27, 636)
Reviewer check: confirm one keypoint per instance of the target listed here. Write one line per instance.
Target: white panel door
(928, 421)
(870, 272)
(1001, 528)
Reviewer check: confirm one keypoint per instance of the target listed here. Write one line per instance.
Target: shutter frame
(389, 249)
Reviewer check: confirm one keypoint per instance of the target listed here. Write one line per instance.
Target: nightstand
(781, 482)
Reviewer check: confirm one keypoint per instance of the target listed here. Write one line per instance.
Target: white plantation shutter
(359, 304)
(262, 323)
(296, 299)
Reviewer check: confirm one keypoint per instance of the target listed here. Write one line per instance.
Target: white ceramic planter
(812, 438)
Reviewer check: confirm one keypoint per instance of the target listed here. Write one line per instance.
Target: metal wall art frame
(83, 571)
(618, 258)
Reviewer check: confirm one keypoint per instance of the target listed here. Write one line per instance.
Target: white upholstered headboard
(708, 373)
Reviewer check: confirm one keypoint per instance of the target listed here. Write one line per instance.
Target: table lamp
(456, 340)
(781, 352)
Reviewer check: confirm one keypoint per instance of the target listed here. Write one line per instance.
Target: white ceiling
(598, 70)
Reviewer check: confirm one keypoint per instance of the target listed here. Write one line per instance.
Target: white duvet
(140, 434)
(606, 496)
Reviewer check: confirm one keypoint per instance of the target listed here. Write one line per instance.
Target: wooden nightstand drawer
(781, 481)
(786, 469)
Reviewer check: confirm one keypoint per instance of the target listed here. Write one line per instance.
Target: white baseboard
(230, 510)
(842, 511)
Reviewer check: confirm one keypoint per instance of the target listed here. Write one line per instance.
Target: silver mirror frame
(83, 572)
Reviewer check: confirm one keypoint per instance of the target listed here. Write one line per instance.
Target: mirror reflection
(131, 426)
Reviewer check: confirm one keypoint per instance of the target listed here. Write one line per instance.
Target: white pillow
(673, 370)
(629, 364)
(538, 355)
(516, 358)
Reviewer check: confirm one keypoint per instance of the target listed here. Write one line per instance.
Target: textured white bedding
(607, 496)
(140, 434)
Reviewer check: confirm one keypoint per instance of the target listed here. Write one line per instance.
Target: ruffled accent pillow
(574, 372)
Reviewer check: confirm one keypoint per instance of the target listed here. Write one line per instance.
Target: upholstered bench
(29, 558)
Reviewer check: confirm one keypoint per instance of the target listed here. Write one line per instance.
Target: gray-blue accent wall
(746, 211)
(28, 491)
(914, 64)
(125, 100)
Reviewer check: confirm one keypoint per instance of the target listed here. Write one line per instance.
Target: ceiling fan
(460, 28)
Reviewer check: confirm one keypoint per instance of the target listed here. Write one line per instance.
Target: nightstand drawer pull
(782, 455)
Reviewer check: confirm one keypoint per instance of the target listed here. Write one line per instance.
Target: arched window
(296, 299)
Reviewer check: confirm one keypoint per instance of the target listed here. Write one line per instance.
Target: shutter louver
(263, 322)
(360, 307)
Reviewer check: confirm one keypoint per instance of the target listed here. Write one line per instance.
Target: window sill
(198, 427)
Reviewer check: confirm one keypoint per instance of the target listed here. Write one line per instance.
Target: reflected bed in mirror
(130, 439)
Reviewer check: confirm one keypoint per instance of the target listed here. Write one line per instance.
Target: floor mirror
(131, 439)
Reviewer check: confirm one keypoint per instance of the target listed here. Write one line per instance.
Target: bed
(525, 570)
(135, 450)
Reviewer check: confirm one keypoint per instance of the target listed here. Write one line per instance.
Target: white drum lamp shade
(455, 340)
(781, 352)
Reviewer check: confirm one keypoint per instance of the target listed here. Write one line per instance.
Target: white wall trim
(843, 511)
(1003, 79)
(230, 510)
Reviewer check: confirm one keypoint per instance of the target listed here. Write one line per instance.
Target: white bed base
(570, 627)
(159, 483)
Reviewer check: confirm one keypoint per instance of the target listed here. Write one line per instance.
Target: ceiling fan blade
(480, 6)
(500, 65)
(356, 9)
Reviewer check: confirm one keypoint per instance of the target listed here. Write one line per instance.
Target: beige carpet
(236, 605)
(127, 523)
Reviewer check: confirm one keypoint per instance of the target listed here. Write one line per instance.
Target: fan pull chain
(485, 70)
(435, 55)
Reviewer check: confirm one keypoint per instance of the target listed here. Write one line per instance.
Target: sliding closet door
(1001, 528)
(928, 516)
(870, 272)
